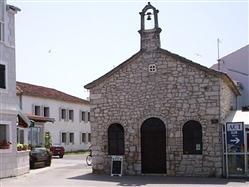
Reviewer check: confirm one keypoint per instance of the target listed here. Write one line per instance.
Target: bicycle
(89, 158)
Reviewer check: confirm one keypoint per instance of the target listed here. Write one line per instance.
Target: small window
(83, 116)
(83, 137)
(2, 76)
(192, 138)
(71, 137)
(63, 114)
(46, 111)
(63, 137)
(4, 138)
(20, 136)
(71, 115)
(1, 31)
(37, 110)
(3, 132)
(115, 139)
(152, 68)
(89, 137)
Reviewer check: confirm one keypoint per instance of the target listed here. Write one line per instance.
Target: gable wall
(176, 93)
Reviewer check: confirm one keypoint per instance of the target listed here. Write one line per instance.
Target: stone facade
(178, 91)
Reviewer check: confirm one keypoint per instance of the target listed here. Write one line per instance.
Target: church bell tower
(150, 32)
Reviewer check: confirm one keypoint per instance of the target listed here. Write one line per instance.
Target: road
(73, 171)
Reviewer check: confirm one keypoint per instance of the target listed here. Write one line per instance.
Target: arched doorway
(153, 146)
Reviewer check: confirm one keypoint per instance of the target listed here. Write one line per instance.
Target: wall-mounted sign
(235, 137)
(117, 165)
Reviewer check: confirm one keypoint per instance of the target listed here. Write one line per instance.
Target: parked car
(57, 150)
(39, 157)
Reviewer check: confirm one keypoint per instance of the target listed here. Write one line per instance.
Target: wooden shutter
(42, 110)
(80, 116)
(60, 114)
(67, 114)
(33, 109)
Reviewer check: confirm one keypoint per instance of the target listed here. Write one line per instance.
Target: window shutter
(60, 114)
(72, 115)
(86, 116)
(33, 109)
(67, 138)
(80, 116)
(42, 110)
(67, 114)
(60, 135)
(48, 112)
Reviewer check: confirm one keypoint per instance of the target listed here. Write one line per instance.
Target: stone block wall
(22, 162)
(177, 92)
(227, 100)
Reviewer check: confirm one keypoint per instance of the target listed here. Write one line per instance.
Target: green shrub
(19, 147)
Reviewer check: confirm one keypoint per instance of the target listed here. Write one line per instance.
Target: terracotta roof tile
(48, 93)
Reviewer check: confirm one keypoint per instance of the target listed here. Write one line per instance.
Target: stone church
(161, 111)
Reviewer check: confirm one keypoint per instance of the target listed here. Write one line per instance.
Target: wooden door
(153, 146)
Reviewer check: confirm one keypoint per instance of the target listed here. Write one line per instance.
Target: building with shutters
(65, 117)
(162, 112)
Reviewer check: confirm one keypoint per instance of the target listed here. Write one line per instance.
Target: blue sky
(67, 44)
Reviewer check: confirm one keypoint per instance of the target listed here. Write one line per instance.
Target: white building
(236, 65)
(12, 163)
(65, 117)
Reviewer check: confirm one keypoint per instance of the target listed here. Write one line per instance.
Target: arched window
(115, 139)
(192, 138)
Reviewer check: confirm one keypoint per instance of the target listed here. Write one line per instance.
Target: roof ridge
(46, 92)
(173, 55)
(246, 46)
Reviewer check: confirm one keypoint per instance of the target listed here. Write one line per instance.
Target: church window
(115, 139)
(192, 138)
(152, 68)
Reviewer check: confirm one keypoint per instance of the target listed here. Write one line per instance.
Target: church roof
(47, 93)
(224, 76)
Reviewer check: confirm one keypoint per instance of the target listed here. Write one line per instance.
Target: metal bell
(149, 16)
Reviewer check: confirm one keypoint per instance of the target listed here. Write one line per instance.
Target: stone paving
(73, 171)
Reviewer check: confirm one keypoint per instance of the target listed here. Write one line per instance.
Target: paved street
(73, 171)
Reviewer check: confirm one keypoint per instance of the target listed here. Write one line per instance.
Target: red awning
(40, 118)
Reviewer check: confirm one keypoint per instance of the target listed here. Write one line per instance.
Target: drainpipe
(221, 126)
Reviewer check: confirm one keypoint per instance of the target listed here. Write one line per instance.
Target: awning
(36, 118)
(238, 116)
(23, 121)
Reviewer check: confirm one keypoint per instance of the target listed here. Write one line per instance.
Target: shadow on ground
(143, 180)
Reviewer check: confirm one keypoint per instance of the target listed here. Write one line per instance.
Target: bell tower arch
(150, 31)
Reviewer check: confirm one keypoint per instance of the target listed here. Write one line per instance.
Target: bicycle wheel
(89, 160)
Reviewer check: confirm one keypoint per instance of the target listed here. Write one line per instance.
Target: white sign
(234, 126)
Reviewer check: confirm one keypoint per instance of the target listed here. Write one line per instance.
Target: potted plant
(4, 144)
(25, 147)
(19, 147)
